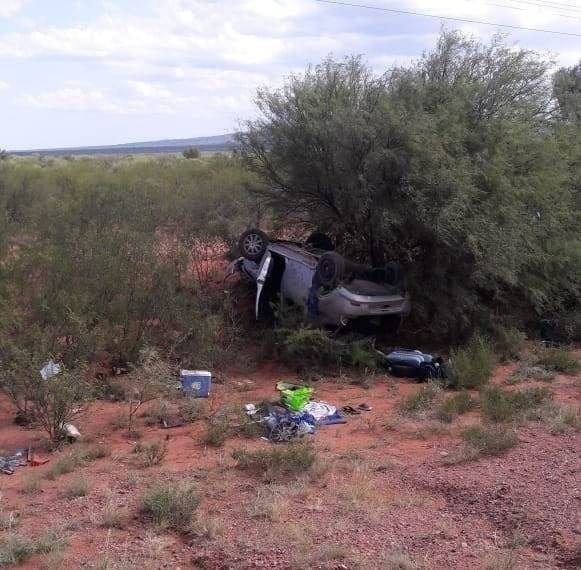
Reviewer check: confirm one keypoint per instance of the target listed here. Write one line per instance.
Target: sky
(96, 72)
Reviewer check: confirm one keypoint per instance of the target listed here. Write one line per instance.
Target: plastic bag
(296, 399)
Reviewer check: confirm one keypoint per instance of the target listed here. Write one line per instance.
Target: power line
(452, 18)
(552, 5)
(522, 9)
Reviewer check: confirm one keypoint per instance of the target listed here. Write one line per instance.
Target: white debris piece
(71, 431)
(51, 368)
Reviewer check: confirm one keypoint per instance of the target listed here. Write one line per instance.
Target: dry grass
(114, 516)
(8, 520)
(31, 485)
(559, 360)
(501, 406)
(421, 401)
(171, 505)
(482, 441)
(396, 561)
(269, 504)
(501, 560)
(76, 488)
(78, 457)
(451, 407)
(150, 454)
(292, 459)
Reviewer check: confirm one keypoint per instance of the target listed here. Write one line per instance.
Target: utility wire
(523, 9)
(568, 8)
(452, 18)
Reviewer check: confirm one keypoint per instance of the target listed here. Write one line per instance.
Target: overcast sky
(84, 72)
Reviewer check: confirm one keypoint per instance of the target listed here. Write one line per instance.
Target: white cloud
(3, 85)
(9, 8)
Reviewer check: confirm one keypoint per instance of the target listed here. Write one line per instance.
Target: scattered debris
(50, 369)
(71, 432)
(319, 410)
(250, 409)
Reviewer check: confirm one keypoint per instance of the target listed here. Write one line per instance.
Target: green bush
(528, 372)
(281, 460)
(172, 506)
(471, 366)
(192, 409)
(558, 359)
(191, 152)
(15, 550)
(151, 454)
(508, 343)
(500, 405)
(219, 428)
(453, 406)
(422, 400)
(489, 440)
(115, 248)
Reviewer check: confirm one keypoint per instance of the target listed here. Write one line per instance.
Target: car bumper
(341, 305)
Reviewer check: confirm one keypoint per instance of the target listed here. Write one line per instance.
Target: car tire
(330, 269)
(253, 244)
(320, 240)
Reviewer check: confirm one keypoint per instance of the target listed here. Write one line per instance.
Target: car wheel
(330, 268)
(320, 240)
(253, 244)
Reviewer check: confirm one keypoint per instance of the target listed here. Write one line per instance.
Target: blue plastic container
(196, 382)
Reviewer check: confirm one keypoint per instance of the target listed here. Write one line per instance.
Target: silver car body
(337, 306)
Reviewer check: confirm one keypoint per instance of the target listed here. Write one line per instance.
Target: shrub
(113, 517)
(191, 152)
(15, 550)
(489, 440)
(150, 380)
(561, 418)
(50, 403)
(76, 488)
(31, 485)
(292, 459)
(500, 405)
(421, 401)
(151, 453)
(51, 541)
(397, 561)
(157, 414)
(471, 366)
(454, 406)
(192, 409)
(172, 506)
(528, 372)
(558, 359)
(76, 458)
(508, 343)
(218, 430)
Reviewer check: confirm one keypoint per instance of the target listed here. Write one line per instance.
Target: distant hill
(205, 144)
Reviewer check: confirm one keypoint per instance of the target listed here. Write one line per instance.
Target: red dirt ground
(381, 488)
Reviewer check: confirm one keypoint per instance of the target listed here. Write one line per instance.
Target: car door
(261, 278)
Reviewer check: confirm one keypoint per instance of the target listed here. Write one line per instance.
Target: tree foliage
(452, 165)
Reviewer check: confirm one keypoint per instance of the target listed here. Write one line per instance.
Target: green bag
(296, 399)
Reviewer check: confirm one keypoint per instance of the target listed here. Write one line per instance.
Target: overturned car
(333, 290)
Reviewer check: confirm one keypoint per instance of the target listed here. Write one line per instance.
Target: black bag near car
(409, 363)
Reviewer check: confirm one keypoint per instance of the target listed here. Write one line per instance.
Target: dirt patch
(378, 491)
